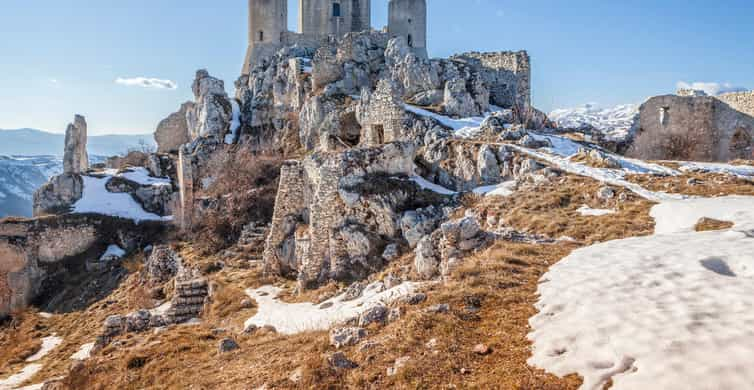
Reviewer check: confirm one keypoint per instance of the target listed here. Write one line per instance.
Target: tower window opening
(409, 20)
(336, 10)
(410, 41)
(261, 36)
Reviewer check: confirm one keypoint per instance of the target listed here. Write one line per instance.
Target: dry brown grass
(703, 184)
(550, 209)
(20, 338)
(709, 224)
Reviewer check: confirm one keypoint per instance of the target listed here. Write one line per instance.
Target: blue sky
(58, 57)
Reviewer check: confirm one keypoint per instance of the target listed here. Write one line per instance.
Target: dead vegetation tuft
(709, 224)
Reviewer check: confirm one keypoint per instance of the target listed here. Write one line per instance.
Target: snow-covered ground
(428, 185)
(96, 199)
(14, 381)
(743, 171)
(590, 212)
(463, 127)
(503, 189)
(113, 252)
(84, 352)
(614, 122)
(674, 310)
(139, 175)
(291, 318)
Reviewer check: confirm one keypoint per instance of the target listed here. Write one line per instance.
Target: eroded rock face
(173, 131)
(162, 265)
(75, 158)
(212, 112)
(441, 252)
(58, 195)
(337, 213)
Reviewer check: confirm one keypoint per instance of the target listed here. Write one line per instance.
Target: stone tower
(408, 19)
(268, 21)
(322, 18)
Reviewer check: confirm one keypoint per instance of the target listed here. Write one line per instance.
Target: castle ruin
(320, 20)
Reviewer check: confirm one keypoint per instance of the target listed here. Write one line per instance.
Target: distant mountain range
(29, 157)
(33, 142)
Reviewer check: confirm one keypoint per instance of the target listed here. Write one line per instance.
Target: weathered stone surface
(173, 131)
(417, 224)
(339, 361)
(227, 345)
(75, 158)
(212, 112)
(697, 128)
(58, 195)
(374, 315)
(340, 337)
(427, 258)
(162, 265)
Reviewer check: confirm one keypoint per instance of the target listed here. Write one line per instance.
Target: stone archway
(741, 145)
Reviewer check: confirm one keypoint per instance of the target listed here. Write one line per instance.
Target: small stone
(227, 345)
(251, 328)
(441, 308)
(394, 315)
(296, 375)
(375, 315)
(391, 252)
(431, 344)
(606, 193)
(339, 361)
(353, 291)
(340, 337)
(247, 303)
(415, 299)
(482, 349)
(399, 363)
(392, 281)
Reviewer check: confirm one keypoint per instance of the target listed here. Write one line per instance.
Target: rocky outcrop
(173, 131)
(212, 112)
(336, 213)
(75, 158)
(442, 251)
(58, 194)
(62, 191)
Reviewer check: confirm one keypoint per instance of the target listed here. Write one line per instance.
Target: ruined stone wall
(506, 74)
(290, 206)
(268, 20)
(186, 189)
(381, 116)
(408, 19)
(32, 249)
(740, 101)
(319, 18)
(699, 128)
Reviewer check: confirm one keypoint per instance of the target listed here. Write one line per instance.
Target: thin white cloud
(146, 82)
(712, 89)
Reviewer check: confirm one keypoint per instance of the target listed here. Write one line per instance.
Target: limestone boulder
(58, 195)
(211, 115)
(75, 158)
(162, 265)
(173, 131)
(416, 224)
(418, 77)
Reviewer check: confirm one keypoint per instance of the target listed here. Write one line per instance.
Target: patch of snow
(84, 352)
(681, 216)
(503, 189)
(428, 185)
(141, 176)
(668, 311)
(744, 171)
(48, 344)
(16, 380)
(463, 127)
(292, 318)
(112, 253)
(235, 123)
(590, 212)
(615, 122)
(609, 176)
(45, 315)
(96, 199)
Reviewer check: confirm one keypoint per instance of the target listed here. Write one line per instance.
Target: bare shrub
(244, 186)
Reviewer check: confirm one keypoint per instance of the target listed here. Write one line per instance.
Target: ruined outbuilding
(695, 126)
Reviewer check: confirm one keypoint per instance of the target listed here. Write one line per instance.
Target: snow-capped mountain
(20, 176)
(32, 142)
(615, 122)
